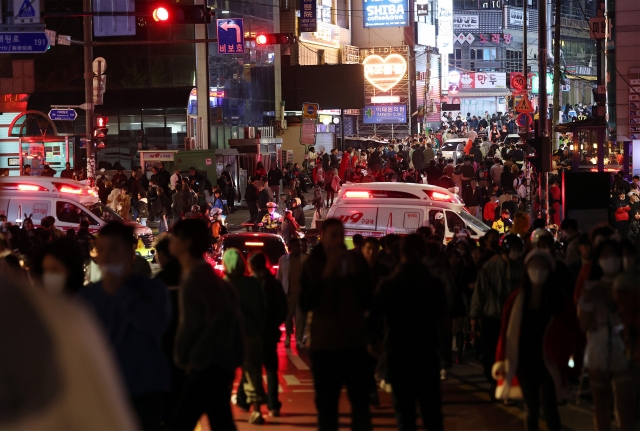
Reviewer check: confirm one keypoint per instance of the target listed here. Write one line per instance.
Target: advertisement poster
(386, 13)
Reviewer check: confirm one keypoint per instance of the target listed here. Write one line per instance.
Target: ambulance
(379, 209)
(68, 201)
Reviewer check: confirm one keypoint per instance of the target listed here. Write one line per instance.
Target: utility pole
(525, 72)
(557, 75)
(543, 132)
(88, 89)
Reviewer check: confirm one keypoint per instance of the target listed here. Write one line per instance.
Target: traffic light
(181, 14)
(540, 158)
(100, 132)
(274, 38)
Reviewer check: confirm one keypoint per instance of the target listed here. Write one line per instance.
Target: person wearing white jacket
(289, 273)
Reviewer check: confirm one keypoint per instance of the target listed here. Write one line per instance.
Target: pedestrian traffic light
(100, 132)
(274, 38)
(181, 14)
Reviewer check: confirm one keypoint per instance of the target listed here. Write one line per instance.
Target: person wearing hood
(537, 337)
(497, 279)
(253, 304)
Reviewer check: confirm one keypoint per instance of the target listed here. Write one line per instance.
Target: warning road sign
(524, 105)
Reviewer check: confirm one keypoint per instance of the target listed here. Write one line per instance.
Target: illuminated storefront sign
(386, 13)
(384, 114)
(384, 73)
(445, 26)
(325, 35)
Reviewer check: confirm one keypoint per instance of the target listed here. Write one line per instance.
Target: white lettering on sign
(388, 12)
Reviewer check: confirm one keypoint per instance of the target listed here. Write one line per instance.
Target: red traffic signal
(181, 14)
(101, 121)
(274, 39)
(160, 14)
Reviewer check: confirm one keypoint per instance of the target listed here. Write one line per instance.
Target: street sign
(518, 82)
(99, 65)
(308, 131)
(385, 114)
(26, 11)
(64, 40)
(524, 120)
(598, 27)
(310, 110)
(51, 35)
(23, 43)
(230, 36)
(63, 114)
(524, 105)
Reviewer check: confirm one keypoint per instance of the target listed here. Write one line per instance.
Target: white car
(454, 149)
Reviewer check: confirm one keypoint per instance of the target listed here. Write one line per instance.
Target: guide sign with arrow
(230, 36)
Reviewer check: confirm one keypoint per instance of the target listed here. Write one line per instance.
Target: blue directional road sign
(63, 114)
(230, 36)
(27, 43)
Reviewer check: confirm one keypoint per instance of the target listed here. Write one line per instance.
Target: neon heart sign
(384, 73)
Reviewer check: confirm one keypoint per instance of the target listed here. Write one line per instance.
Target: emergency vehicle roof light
(357, 194)
(254, 244)
(23, 187)
(74, 190)
(439, 196)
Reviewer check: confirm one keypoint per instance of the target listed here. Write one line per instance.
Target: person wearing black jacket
(433, 172)
(135, 188)
(408, 307)
(251, 197)
(476, 153)
(472, 197)
(277, 308)
(164, 177)
(334, 162)
(274, 176)
(336, 286)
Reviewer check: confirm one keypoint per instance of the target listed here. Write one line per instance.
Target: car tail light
(357, 194)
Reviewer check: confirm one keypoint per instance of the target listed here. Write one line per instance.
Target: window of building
(513, 62)
(465, 4)
(487, 54)
(455, 59)
(324, 11)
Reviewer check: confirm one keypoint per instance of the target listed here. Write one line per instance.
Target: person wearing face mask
(543, 240)
(60, 267)
(496, 280)
(610, 376)
(537, 336)
(135, 312)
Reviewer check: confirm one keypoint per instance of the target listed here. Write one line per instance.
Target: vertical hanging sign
(308, 20)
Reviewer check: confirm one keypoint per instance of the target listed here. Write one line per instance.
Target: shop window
(455, 59)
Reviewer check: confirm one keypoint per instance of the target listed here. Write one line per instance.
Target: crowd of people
(402, 310)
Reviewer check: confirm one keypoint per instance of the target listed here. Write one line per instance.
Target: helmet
(439, 216)
(271, 205)
(539, 233)
(298, 201)
(511, 241)
(195, 209)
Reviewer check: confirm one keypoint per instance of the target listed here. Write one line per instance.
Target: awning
(482, 93)
(114, 99)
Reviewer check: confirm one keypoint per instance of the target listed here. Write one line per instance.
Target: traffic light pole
(543, 131)
(88, 89)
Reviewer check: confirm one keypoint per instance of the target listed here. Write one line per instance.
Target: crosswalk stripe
(297, 360)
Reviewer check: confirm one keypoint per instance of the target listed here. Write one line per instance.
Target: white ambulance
(379, 209)
(67, 200)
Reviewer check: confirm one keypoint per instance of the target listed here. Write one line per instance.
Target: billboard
(386, 13)
(385, 114)
(445, 26)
